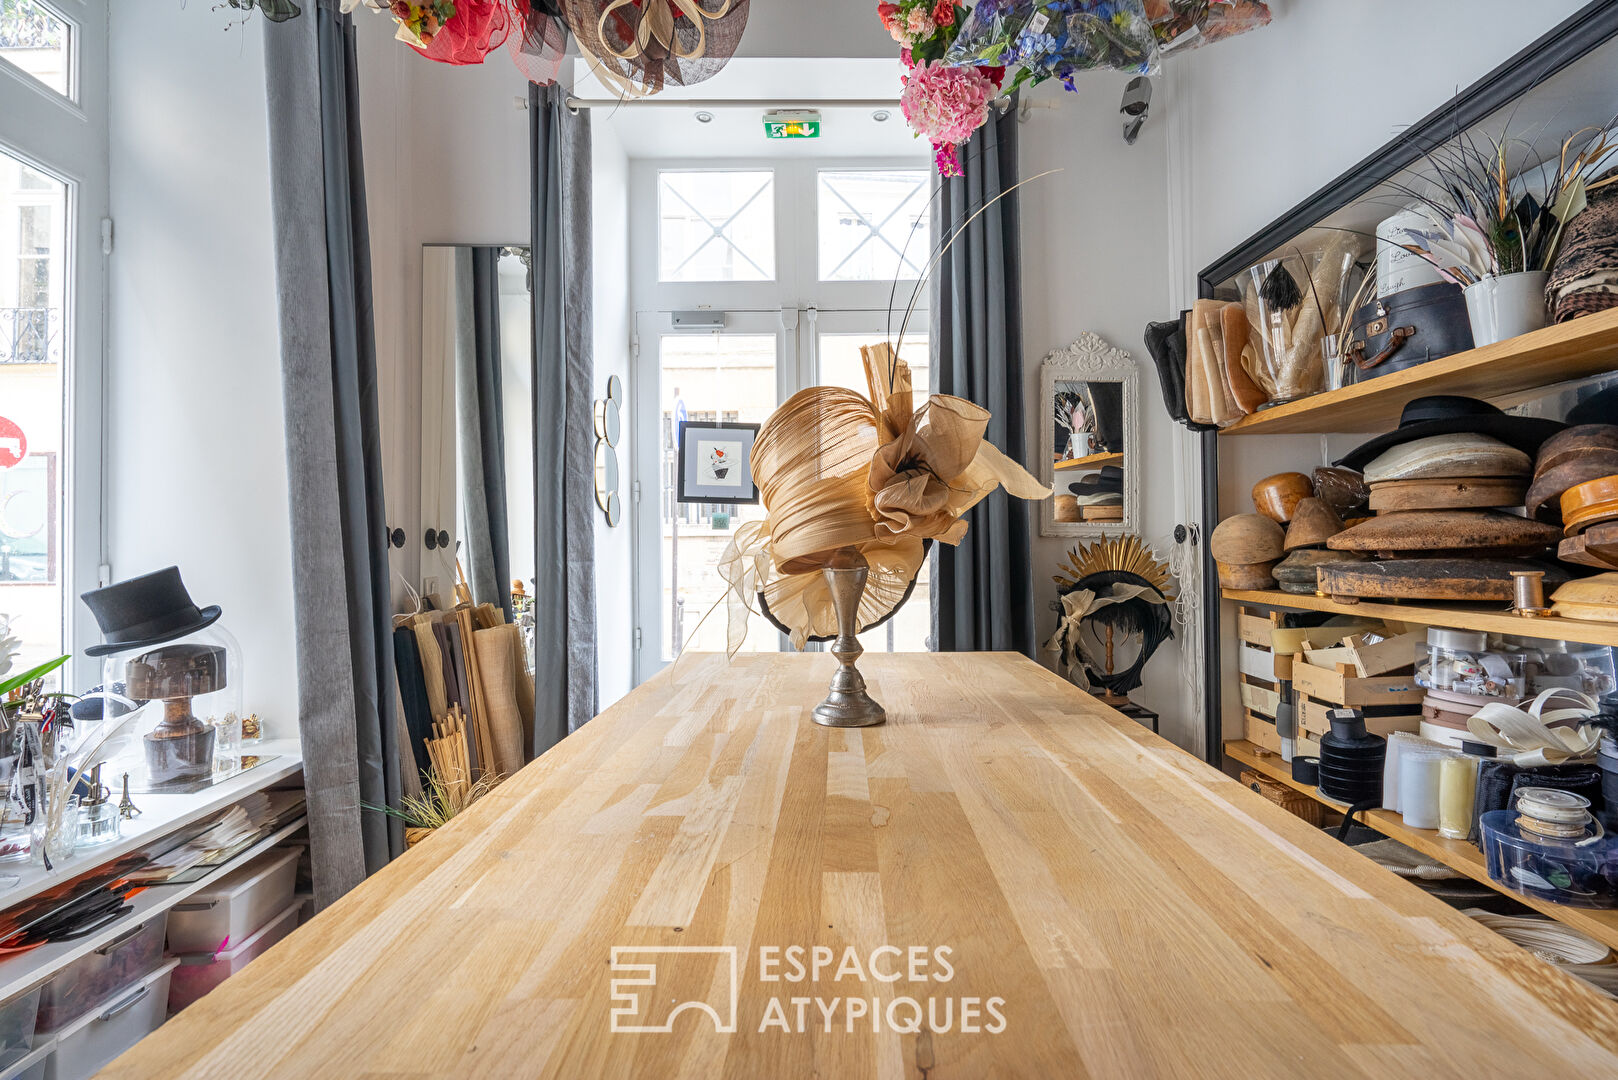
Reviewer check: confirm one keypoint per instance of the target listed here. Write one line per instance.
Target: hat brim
(1526, 433)
(206, 617)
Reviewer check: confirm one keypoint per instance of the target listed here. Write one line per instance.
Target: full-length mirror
(1088, 453)
(477, 489)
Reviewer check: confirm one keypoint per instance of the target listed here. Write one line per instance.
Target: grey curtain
(564, 430)
(334, 450)
(480, 426)
(983, 592)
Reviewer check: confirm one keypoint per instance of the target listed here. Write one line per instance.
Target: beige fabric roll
(432, 664)
(497, 673)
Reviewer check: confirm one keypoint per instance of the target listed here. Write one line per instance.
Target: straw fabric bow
(654, 32)
(836, 470)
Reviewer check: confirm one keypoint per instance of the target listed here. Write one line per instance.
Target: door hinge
(637, 637)
(104, 575)
(106, 236)
(634, 346)
(634, 489)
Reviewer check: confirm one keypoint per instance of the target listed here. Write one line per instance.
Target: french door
(737, 374)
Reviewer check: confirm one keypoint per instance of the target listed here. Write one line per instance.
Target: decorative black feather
(1280, 290)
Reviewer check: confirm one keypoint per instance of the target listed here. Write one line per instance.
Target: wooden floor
(1137, 913)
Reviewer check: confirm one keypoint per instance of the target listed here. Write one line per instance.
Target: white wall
(615, 549)
(196, 447)
(818, 28)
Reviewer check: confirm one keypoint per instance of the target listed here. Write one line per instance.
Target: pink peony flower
(946, 104)
(920, 23)
(944, 13)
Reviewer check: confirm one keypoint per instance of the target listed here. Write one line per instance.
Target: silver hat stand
(848, 705)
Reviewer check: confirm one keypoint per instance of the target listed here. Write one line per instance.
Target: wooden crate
(1293, 802)
(1261, 732)
(1255, 626)
(1257, 663)
(1260, 697)
(1295, 639)
(1341, 686)
(1312, 719)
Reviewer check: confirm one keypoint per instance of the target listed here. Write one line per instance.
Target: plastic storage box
(201, 972)
(1549, 869)
(33, 1066)
(106, 1031)
(99, 976)
(17, 1028)
(231, 911)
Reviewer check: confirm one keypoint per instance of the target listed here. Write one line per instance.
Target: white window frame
(792, 306)
(66, 137)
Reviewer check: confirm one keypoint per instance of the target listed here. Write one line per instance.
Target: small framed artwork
(716, 463)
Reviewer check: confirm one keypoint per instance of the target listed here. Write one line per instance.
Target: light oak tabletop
(1008, 879)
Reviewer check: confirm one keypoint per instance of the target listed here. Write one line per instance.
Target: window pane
(840, 365)
(35, 39)
(725, 378)
(874, 226)
(33, 275)
(716, 226)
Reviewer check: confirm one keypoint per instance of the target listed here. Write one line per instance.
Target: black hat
(1447, 415)
(1110, 479)
(146, 610)
(1599, 408)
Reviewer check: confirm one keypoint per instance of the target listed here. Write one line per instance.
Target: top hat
(1444, 414)
(145, 611)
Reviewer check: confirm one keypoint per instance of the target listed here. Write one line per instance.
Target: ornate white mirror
(1088, 440)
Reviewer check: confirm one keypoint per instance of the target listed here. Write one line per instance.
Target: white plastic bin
(102, 974)
(199, 973)
(17, 1028)
(100, 1035)
(232, 910)
(34, 1065)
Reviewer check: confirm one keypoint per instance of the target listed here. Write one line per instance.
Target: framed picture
(716, 463)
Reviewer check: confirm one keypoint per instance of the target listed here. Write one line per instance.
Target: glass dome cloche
(175, 665)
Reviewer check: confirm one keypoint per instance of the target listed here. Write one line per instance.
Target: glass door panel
(837, 355)
(723, 378)
(34, 453)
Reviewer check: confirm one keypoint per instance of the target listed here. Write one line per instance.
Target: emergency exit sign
(792, 124)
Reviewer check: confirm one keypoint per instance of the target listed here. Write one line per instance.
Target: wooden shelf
(1505, 373)
(1091, 461)
(1458, 855)
(1456, 616)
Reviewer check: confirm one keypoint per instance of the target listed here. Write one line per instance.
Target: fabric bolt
(413, 694)
(565, 675)
(983, 588)
(480, 427)
(432, 664)
(1585, 277)
(449, 672)
(323, 284)
(499, 669)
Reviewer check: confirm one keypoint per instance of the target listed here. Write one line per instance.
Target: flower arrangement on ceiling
(959, 55)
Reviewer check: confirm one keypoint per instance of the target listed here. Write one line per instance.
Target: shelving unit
(30, 969)
(1458, 855)
(1506, 373)
(1090, 461)
(1455, 616)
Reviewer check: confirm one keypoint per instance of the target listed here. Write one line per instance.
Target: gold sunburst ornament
(1121, 553)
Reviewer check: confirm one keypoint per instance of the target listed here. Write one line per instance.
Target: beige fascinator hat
(840, 473)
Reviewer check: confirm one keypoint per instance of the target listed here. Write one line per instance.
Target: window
(38, 41)
(33, 407)
(716, 226)
(874, 225)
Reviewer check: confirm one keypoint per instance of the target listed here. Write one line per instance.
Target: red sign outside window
(13, 443)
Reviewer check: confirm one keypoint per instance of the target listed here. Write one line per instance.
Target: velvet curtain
(564, 427)
(983, 591)
(328, 357)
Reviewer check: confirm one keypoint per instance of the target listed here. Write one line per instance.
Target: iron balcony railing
(30, 335)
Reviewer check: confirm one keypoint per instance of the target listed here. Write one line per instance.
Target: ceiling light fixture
(881, 116)
(704, 117)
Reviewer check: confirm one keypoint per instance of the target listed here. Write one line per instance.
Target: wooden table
(1135, 912)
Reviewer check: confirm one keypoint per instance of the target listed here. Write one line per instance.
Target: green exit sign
(792, 124)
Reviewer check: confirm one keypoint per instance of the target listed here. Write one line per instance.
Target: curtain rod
(731, 103)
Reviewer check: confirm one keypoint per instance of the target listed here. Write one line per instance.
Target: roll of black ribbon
(1306, 770)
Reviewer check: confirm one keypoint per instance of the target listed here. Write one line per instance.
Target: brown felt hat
(1313, 523)
(1245, 539)
(1277, 497)
(1466, 533)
